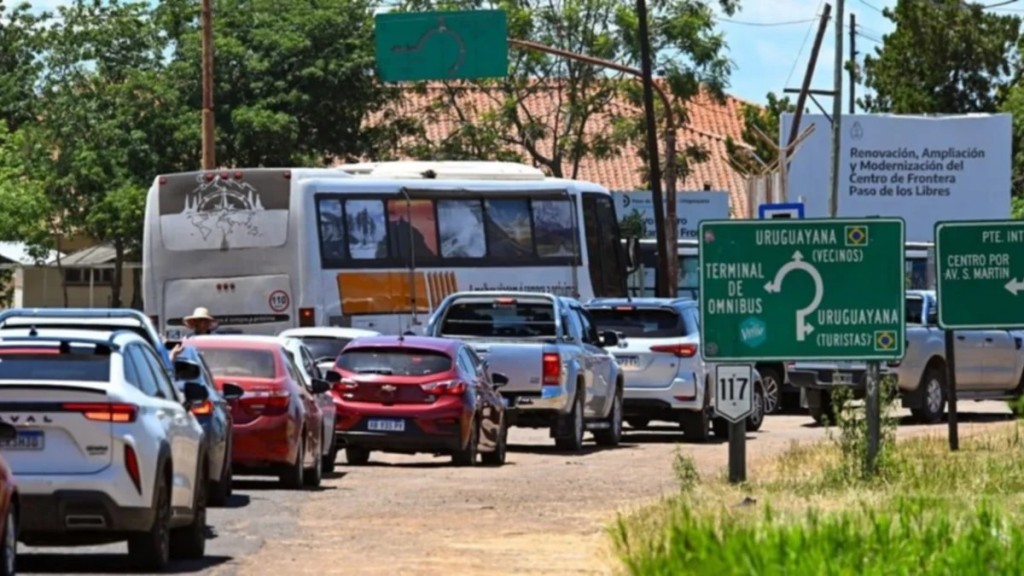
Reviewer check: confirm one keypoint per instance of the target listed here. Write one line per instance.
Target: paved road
(543, 513)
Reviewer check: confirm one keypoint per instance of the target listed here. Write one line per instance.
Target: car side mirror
(318, 386)
(609, 338)
(499, 379)
(195, 393)
(332, 377)
(933, 317)
(186, 370)
(232, 391)
(7, 432)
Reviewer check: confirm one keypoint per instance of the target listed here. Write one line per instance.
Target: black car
(215, 417)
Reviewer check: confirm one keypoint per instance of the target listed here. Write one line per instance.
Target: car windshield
(915, 308)
(394, 361)
(322, 347)
(500, 318)
(639, 322)
(238, 362)
(87, 363)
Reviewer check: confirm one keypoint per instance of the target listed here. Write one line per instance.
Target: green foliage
(812, 522)
(632, 225)
(1017, 203)
(913, 537)
(294, 81)
(689, 52)
(944, 57)
(850, 434)
(754, 155)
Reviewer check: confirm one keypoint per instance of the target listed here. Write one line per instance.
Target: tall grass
(927, 512)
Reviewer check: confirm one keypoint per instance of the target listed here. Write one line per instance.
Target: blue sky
(770, 43)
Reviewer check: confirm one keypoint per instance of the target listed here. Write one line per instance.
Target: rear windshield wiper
(385, 371)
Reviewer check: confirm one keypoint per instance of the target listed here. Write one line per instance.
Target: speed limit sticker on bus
(279, 301)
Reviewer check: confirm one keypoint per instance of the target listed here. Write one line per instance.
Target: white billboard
(691, 209)
(921, 168)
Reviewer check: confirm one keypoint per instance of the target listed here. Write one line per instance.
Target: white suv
(106, 448)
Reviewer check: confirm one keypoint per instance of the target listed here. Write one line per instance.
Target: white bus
(373, 246)
(920, 268)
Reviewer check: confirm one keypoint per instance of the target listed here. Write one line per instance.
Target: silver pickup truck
(989, 366)
(560, 375)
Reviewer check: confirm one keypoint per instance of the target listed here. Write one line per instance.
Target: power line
(768, 24)
(803, 45)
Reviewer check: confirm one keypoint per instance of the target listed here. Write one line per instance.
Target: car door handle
(961, 337)
(988, 339)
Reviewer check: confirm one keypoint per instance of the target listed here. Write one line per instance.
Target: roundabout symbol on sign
(279, 301)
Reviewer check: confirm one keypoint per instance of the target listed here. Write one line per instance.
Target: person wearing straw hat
(201, 322)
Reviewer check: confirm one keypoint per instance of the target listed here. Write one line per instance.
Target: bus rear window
(80, 363)
(500, 319)
(394, 361)
(640, 322)
(226, 362)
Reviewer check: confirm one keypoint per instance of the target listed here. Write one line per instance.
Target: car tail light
(131, 464)
(204, 409)
(307, 317)
(267, 402)
(552, 369)
(679, 350)
(451, 387)
(104, 412)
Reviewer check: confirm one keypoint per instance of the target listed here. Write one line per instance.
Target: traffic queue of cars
(107, 437)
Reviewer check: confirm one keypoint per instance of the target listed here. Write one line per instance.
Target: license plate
(842, 378)
(628, 361)
(386, 425)
(31, 440)
(174, 334)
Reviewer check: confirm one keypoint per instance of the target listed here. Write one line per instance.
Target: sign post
(792, 290)
(462, 45)
(979, 283)
(734, 402)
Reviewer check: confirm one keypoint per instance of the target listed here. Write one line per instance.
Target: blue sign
(794, 211)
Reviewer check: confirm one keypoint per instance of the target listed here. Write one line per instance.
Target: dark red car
(277, 427)
(8, 506)
(411, 394)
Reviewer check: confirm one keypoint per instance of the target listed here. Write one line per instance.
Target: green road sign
(979, 269)
(828, 289)
(462, 45)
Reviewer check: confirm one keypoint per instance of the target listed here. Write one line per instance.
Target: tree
(110, 121)
(294, 81)
(556, 111)
(19, 67)
(767, 120)
(944, 57)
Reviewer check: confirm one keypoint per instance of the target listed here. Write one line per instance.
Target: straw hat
(200, 313)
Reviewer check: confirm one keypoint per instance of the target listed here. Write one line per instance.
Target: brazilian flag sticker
(885, 340)
(856, 236)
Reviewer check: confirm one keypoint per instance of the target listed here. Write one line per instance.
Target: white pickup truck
(560, 374)
(989, 366)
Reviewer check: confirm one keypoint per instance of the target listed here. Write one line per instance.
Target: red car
(8, 506)
(411, 394)
(277, 426)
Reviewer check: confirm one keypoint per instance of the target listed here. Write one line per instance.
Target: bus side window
(604, 246)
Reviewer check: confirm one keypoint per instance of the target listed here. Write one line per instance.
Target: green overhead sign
(819, 289)
(463, 45)
(979, 269)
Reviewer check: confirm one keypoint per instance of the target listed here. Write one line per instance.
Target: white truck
(560, 375)
(989, 366)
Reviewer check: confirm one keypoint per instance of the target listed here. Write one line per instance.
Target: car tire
(311, 477)
(771, 382)
(220, 490)
(697, 425)
(756, 418)
(9, 551)
(933, 400)
(574, 441)
(720, 427)
(612, 435)
(498, 456)
(189, 542)
(292, 477)
(467, 455)
(331, 459)
(356, 456)
(150, 551)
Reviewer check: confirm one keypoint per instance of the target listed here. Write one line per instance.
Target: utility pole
(853, 62)
(209, 161)
(837, 111)
(666, 252)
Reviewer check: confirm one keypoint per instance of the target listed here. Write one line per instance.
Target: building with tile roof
(441, 109)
